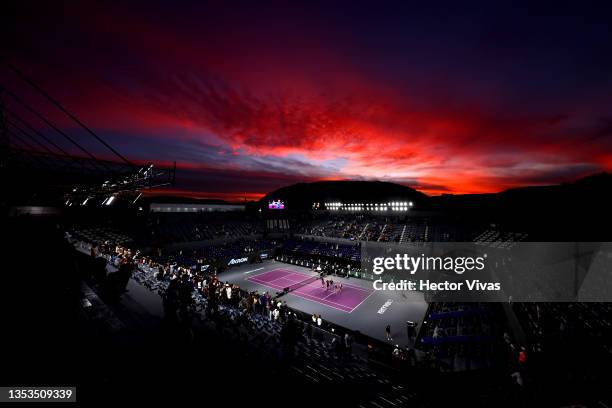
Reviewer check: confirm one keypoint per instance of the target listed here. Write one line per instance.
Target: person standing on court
(388, 332)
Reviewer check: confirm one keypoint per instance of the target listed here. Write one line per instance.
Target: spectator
(522, 357)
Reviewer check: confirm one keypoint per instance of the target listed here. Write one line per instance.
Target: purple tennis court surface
(347, 300)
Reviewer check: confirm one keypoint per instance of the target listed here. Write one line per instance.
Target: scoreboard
(276, 205)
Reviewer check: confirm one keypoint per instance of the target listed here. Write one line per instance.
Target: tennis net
(302, 283)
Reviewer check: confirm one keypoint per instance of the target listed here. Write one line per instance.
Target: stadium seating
(458, 337)
(190, 227)
(461, 336)
(222, 252)
(546, 323)
(316, 358)
(328, 249)
(385, 229)
(496, 239)
(99, 235)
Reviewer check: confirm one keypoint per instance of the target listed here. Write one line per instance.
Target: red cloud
(252, 95)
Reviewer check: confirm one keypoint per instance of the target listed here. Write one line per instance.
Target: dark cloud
(249, 98)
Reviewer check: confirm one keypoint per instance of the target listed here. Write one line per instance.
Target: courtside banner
(493, 272)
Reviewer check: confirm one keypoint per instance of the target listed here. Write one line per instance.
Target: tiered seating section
(337, 227)
(385, 229)
(222, 252)
(497, 239)
(461, 336)
(546, 324)
(328, 249)
(177, 227)
(319, 358)
(100, 235)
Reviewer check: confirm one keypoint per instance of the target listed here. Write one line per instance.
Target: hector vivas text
(413, 264)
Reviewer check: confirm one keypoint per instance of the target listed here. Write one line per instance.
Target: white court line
(292, 271)
(313, 298)
(318, 298)
(333, 293)
(254, 270)
(367, 297)
(348, 285)
(325, 304)
(268, 272)
(301, 278)
(254, 279)
(320, 301)
(345, 284)
(306, 296)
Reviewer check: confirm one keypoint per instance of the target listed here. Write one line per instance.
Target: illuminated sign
(237, 261)
(276, 205)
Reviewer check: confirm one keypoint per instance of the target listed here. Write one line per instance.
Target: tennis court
(346, 300)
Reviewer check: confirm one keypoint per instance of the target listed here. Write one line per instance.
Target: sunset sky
(251, 96)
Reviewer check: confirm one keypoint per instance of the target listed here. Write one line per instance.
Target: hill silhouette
(579, 209)
(302, 195)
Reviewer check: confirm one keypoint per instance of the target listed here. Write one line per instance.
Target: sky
(248, 97)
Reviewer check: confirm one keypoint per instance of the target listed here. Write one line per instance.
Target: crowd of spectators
(333, 258)
(336, 226)
(351, 252)
(363, 227)
(186, 290)
(121, 258)
(337, 267)
(216, 255)
(459, 336)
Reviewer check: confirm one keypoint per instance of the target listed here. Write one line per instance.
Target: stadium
(127, 281)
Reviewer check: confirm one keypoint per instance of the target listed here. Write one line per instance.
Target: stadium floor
(358, 307)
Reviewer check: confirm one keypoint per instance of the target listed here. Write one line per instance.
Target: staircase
(364, 230)
(382, 232)
(403, 233)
